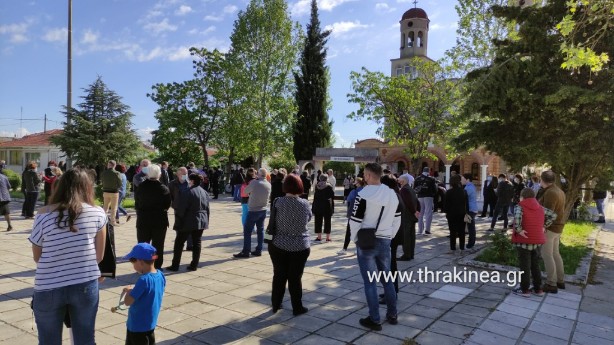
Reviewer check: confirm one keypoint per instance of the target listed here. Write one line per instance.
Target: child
(145, 298)
(530, 220)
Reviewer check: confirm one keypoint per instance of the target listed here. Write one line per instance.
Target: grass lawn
(573, 247)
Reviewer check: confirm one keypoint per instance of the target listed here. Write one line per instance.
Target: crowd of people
(381, 208)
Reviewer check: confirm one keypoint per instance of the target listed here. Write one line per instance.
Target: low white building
(34, 147)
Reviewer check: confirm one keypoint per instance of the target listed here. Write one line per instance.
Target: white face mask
(516, 180)
(144, 170)
(184, 178)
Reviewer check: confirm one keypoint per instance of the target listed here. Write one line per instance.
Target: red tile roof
(32, 140)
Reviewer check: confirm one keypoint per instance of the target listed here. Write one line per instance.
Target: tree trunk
(414, 167)
(205, 154)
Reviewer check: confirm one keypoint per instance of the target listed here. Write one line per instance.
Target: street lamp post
(69, 76)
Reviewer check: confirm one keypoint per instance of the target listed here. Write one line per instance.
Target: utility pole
(69, 76)
(45, 125)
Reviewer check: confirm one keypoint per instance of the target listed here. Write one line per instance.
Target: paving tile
(426, 311)
(561, 302)
(596, 320)
(412, 320)
(550, 330)
(450, 329)
(523, 302)
(480, 302)
(252, 340)
(315, 339)
(501, 328)
(596, 331)
(456, 289)
(534, 338)
(510, 319)
(515, 310)
(488, 338)
(220, 335)
(282, 333)
(569, 296)
(471, 310)
(462, 319)
(436, 303)
(371, 338)
(307, 323)
(588, 339)
(447, 296)
(554, 320)
(567, 313)
(341, 332)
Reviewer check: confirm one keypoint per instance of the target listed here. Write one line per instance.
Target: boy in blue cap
(145, 298)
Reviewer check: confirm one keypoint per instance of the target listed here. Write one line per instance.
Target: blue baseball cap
(142, 251)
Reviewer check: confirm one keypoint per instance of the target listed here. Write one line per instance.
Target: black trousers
(140, 338)
(196, 247)
(287, 267)
(528, 262)
(409, 240)
(47, 192)
(488, 204)
(30, 203)
(216, 189)
(456, 223)
(318, 225)
(348, 235)
(156, 237)
(500, 209)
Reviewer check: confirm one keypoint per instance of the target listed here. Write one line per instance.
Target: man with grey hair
(425, 187)
(111, 184)
(178, 189)
(142, 175)
(411, 214)
(331, 178)
(258, 191)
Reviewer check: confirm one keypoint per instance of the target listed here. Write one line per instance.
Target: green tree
(410, 111)
(264, 49)
(99, 129)
(190, 113)
(312, 128)
(532, 111)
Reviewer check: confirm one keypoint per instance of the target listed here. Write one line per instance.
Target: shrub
(14, 178)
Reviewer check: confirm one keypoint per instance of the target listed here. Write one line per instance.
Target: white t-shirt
(68, 258)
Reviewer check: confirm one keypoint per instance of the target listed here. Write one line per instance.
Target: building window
(475, 171)
(407, 70)
(399, 71)
(420, 42)
(15, 158)
(410, 39)
(33, 156)
(3, 156)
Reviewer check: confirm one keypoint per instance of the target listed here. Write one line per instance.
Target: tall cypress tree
(312, 128)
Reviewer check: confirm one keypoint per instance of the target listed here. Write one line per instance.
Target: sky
(134, 44)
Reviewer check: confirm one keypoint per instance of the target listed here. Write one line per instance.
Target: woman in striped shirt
(68, 241)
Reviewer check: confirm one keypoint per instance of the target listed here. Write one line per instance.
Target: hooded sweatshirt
(367, 208)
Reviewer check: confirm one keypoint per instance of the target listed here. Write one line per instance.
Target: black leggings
(318, 225)
(456, 223)
(348, 234)
(287, 268)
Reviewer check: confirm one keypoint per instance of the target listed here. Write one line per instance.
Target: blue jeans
(237, 193)
(373, 260)
(599, 203)
(253, 218)
(50, 306)
(119, 206)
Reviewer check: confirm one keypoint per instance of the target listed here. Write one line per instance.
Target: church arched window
(410, 39)
(420, 41)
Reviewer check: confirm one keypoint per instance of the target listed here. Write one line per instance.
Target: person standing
(141, 176)
(164, 175)
(358, 186)
(347, 186)
(66, 278)
(518, 187)
(472, 210)
(152, 200)
(290, 247)
(178, 189)
(376, 206)
(490, 196)
(505, 193)
(237, 181)
(331, 178)
(553, 199)
(111, 185)
(31, 183)
(194, 213)
(412, 207)
(214, 180)
(323, 207)
(277, 185)
(306, 185)
(48, 178)
(122, 193)
(5, 199)
(259, 191)
(425, 187)
(456, 207)
(599, 195)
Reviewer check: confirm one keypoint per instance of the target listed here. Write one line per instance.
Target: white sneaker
(342, 252)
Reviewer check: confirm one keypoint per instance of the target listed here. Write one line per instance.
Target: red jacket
(533, 217)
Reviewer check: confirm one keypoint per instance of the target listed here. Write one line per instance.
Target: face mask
(516, 180)
(563, 180)
(501, 180)
(184, 178)
(489, 179)
(144, 170)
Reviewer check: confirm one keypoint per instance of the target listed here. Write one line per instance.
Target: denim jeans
(257, 218)
(373, 260)
(599, 203)
(426, 215)
(50, 307)
(236, 196)
(121, 198)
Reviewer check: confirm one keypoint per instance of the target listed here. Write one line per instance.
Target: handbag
(468, 219)
(365, 238)
(108, 264)
(271, 229)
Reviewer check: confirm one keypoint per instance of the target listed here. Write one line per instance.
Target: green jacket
(111, 181)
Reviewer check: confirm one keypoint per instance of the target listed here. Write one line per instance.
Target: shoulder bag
(271, 229)
(366, 236)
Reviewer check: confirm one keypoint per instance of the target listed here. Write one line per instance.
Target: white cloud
(341, 28)
(230, 9)
(145, 133)
(438, 26)
(17, 32)
(56, 35)
(202, 32)
(183, 10)
(340, 141)
(157, 28)
(212, 18)
(20, 132)
(384, 7)
(89, 37)
(304, 6)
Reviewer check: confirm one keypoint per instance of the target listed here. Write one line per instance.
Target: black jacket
(505, 192)
(425, 186)
(276, 189)
(323, 200)
(457, 202)
(194, 210)
(152, 200)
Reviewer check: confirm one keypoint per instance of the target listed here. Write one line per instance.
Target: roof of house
(32, 140)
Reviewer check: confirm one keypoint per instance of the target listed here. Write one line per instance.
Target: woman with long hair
(456, 207)
(68, 240)
(194, 213)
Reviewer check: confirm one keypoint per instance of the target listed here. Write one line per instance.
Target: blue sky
(134, 44)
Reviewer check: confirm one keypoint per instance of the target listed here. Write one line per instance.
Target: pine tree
(312, 128)
(100, 129)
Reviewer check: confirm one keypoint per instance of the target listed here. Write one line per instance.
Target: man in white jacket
(375, 199)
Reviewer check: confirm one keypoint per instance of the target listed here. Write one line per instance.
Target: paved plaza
(228, 300)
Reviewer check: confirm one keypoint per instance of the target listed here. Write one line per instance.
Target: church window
(420, 42)
(410, 39)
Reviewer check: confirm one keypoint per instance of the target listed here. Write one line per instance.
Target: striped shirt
(68, 258)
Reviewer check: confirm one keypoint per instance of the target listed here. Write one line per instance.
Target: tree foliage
(586, 29)
(99, 129)
(264, 49)
(410, 111)
(312, 128)
(532, 111)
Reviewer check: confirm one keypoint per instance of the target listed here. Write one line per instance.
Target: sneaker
(255, 253)
(367, 322)
(172, 268)
(404, 258)
(538, 292)
(318, 240)
(392, 320)
(521, 292)
(550, 289)
(560, 286)
(241, 255)
(342, 252)
(491, 230)
(427, 233)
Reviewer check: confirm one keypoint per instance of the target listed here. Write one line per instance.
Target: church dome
(414, 13)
